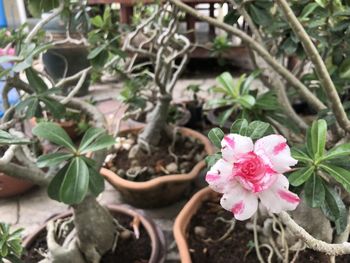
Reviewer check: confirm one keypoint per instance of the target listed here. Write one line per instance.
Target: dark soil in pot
(239, 246)
(130, 250)
(185, 154)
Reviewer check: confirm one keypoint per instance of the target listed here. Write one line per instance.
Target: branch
(8, 155)
(311, 242)
(83, 75)
(320, 67)
(32, 174)
(308, 96)
(44, 21)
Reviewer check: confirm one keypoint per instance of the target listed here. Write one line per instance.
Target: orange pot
(183, 219)
(156, 236)
(163, 190)
(10, 186)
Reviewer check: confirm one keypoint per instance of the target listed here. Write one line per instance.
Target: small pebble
(171, 168)
(200, 231)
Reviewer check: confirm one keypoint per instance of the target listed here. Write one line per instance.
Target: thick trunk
(95, 228)
(152, 133)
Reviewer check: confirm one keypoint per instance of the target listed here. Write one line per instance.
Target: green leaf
(301, 156)
(257, 129)
(344, 69)
(53, 189)
(210, 160)
(102, 142)
(7, 139)
(95, 52)
(35, 81)
(240, 126)
(259, 16)
(308, 9)
(247, 101)
(97, 21)
(215, 136)
(223, 117)
(333, 204)
(37, 7)
(53, 159)
(226, 80)
(76, 182)
(5, 59)
(341, 175)
(318, 137)
(90, 135)
(32, 109)
(54, 133)
(338, 151)
(54, 107)
(314, 191)
(231, 17)
(300, 176)
(96, 183)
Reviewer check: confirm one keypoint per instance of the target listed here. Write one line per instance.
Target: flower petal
(242, 203)
(219, 175)
(274, 149)
(234, 145)
(278, 198)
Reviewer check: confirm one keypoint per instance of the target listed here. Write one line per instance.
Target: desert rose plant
(302, 51)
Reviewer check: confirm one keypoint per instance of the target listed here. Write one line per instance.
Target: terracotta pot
(70, 127)
(10, 186)
(163, 190)
(183, 219)
(155, 234)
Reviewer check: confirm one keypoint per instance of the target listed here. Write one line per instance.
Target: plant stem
(154, 128)
(288, 76)
(311, 242)
(320, 67)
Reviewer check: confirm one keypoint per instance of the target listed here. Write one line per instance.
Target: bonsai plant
(318, 228)
(156, 165)
(89, 232)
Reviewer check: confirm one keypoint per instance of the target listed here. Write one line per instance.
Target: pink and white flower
(248, 172)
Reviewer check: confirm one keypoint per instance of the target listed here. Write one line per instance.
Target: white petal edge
(274, 148)
(234, 145)
(241, 203)
(278, 198)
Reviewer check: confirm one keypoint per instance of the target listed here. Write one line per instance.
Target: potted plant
(71, 171)
(154, 166)
(316, 229)
(239, 100)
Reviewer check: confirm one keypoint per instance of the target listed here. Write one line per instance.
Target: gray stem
(95, 228)
(152, 132)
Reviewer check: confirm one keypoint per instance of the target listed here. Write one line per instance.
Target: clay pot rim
(155, 182)
(183, 219)
(156, 236)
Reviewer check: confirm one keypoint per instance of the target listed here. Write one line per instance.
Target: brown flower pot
(10, 186)
(183, 219)
(162, 190)
(155, 234)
